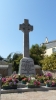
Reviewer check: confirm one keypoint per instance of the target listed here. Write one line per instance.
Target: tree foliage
(15, 59)
(1, 58)
(9, 59)
(49, 62)
(37, 53)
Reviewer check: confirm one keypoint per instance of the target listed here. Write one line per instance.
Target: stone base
(26, 66)
(20, 85)
(26, 89)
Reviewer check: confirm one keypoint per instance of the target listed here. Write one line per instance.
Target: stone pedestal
(26, 66)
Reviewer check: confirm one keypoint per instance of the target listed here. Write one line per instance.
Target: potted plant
(24, 80)
(20, 77)
(9, 83)
(41, 79)
(48, 83)
(51, 83)
(33, 83)
(49, 75)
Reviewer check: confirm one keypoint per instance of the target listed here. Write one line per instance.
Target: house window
(53, 50)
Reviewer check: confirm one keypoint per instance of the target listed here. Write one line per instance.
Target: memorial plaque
(26, 66)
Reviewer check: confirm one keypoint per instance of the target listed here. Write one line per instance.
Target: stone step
(26, 89)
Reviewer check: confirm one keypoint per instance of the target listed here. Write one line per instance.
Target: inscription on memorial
(27, 67)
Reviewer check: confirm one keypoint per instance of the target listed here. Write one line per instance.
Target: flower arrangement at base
(41, 79)
(33, 83)
(50, 83)
(49, 75)
(19, 77)
(24, 80)
(9, 83)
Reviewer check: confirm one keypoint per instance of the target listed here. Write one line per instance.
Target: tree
(15, 60)
(9, 59)
(49, 62)
(1, 58)
(37, 53)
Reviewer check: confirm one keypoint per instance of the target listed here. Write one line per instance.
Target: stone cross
(26, 28)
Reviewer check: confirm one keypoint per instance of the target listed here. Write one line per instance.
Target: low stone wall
(4, 72)
(5, 68)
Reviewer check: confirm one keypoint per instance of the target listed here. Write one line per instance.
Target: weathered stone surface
(38, 70)
(26, 28)
(26, 66)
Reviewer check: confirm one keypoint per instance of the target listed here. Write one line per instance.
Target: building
(50, 46)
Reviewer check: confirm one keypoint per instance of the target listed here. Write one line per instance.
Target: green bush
(49, 62)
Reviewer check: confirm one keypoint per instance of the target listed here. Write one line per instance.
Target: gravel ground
(36, 95)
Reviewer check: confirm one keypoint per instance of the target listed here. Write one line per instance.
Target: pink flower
(48, 74)
(29, 79)
(3, 79)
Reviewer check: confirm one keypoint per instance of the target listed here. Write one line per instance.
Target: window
(53, 49)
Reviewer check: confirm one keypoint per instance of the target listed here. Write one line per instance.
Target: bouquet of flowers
(41, 79)
(50, 83)
(49, 75)
(33, 83)
(9, 82)
(24, 80)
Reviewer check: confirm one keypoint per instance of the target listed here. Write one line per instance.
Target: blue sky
(41, 14)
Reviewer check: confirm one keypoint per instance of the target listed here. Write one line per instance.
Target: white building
(50, 46)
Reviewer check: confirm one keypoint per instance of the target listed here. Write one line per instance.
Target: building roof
(4, 66)
(50, 44)
(51, 41)
(2, 62)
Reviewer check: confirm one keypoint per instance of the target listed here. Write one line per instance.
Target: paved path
(37, 95)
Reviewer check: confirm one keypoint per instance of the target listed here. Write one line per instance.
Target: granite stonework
(26, 89)
(26, 64)
(38, 70)
(5, 69)
(26, 28)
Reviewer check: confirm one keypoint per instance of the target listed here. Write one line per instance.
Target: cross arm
(31, 28)
(21, 26)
